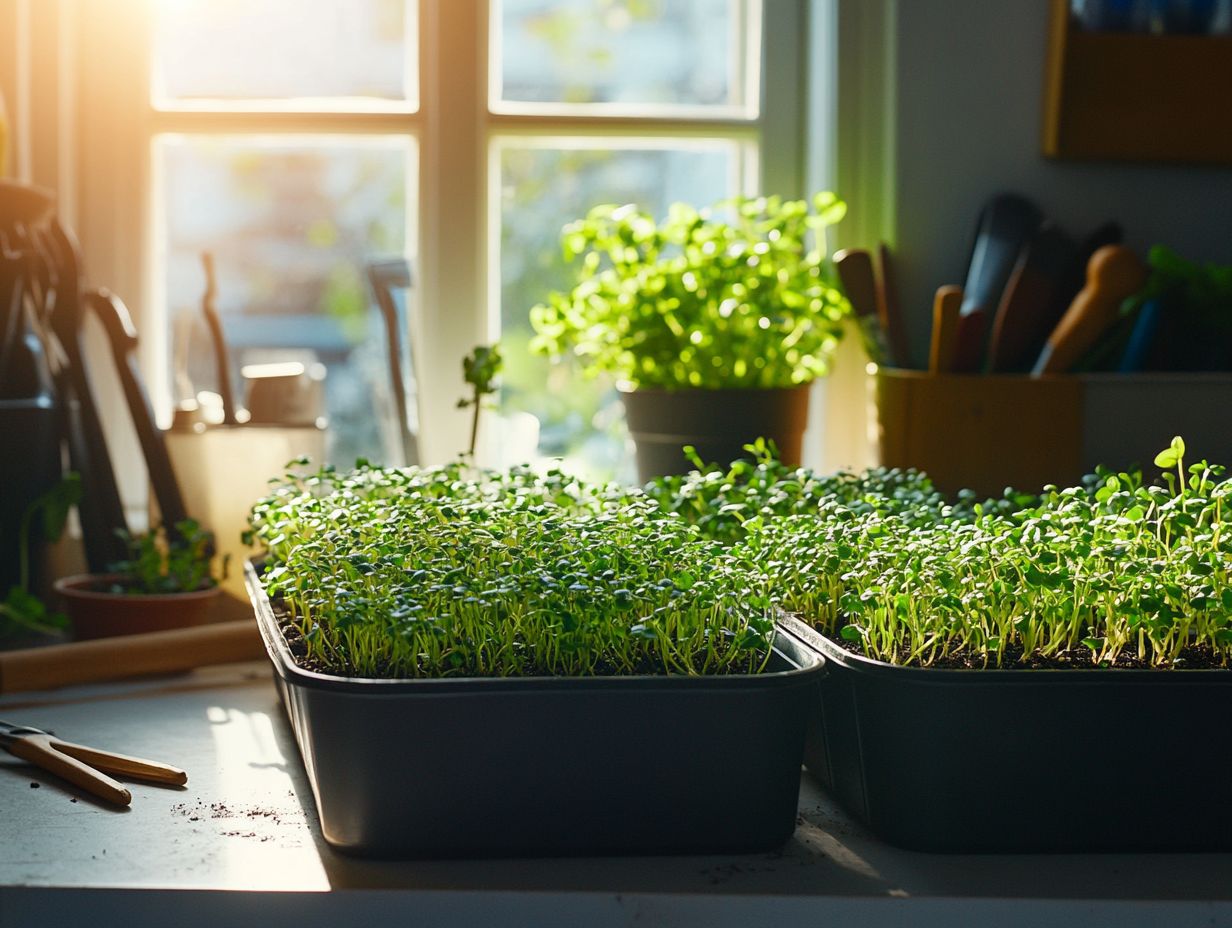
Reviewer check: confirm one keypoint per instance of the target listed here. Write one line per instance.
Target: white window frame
(103, 163)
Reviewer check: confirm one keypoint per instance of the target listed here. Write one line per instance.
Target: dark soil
(1191, 658)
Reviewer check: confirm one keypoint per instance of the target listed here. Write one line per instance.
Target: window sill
(245, 822)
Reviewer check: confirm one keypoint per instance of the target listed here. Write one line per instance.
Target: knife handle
(1114, 273)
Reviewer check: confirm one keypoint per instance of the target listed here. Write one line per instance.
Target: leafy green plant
(480, 370)
(1197, 299)
(162, 562)
(725, 504)
(22, 611)
(446, 572)
(1119, 575)
(698, 300)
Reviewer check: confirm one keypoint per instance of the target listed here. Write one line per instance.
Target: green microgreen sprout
(480, 370)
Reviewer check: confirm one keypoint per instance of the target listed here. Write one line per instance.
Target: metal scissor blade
(9, 730)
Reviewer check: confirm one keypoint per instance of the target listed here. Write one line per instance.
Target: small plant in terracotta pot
(166, 582)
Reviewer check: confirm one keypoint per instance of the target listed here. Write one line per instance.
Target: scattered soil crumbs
(220, 811)
(763, 863)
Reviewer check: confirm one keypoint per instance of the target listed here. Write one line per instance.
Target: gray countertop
(240, 842)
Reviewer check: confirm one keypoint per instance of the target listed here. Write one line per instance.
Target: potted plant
(166, 582)
(713, 322)
(482, 663)
(1042, 675)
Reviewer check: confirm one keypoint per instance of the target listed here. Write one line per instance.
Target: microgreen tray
(1025, 760)
(550, 765)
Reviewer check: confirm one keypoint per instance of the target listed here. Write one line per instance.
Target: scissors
(83, 766)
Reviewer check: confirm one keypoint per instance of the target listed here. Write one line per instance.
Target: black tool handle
(118, 324)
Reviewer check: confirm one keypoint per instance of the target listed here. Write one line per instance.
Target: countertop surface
(241, 841)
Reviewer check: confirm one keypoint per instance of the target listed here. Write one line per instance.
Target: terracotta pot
(718, 423)
(99, 614)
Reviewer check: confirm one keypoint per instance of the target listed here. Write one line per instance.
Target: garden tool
(83, 766)
(101, 509)
(946, 306)
(855, 270)
(386, 277)
(1114, 274)
(889, 310)
(117, 323)
(221, 358)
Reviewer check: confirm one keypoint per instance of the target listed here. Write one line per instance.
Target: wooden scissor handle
(123, 765)
(39, 750)
(83, 766)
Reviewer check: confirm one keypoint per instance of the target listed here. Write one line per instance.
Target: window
(296, 139)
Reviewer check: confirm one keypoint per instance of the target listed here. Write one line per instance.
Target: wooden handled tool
(855, 270)
(946, 306)
(889, 310)
(84, 766)
(386, 277)
(213, 321)
(1114, 274)
(129, 656)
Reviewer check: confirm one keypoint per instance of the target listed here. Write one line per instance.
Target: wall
(968, 87)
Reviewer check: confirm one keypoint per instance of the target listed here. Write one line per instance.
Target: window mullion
(452, 288)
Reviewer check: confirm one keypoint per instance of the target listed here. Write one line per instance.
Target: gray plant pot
(717, 423)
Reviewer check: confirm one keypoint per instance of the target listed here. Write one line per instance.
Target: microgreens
(1116, 571)
(449, 572)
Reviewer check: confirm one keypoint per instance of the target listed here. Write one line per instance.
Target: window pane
(290, 222)
(543, 188)
(635, 54)
(283, 50)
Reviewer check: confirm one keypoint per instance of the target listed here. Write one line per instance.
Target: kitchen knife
(1114, 274)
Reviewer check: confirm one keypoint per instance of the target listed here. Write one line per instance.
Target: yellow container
(989, 432)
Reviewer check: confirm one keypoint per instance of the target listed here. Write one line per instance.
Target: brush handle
(1113, 274)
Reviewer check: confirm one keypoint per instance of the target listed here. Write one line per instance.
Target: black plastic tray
(1025, 760)
(550, 765)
